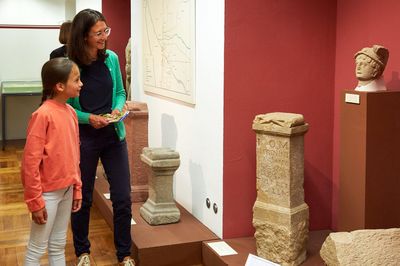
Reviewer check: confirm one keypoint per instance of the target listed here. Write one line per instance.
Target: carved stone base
(281, 233)
(159, 213)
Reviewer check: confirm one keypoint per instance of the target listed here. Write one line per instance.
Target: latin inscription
(276, 166)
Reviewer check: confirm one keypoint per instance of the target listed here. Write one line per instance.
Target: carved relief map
(169, 48)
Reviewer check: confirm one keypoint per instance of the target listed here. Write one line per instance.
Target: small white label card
(107, 195)
(253, 260)
(352, 98)
(133, 222)
(222, 248)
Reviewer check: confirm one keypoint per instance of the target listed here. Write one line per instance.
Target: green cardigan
(118, 95)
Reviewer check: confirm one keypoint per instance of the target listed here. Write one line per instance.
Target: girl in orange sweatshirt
(50, 165)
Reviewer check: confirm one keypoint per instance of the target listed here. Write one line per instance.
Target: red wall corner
(361, 23)
(279, 56)
(118, 16)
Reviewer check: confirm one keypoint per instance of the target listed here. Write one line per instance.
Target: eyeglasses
(98, 34)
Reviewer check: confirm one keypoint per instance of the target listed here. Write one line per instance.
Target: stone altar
(280, 215)
(160, 207)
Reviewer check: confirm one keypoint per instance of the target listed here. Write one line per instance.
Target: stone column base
(281, 233)
(159, 213)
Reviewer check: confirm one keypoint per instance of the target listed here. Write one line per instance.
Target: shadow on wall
(394, 83)
(169, 132)
(198, 188)
(320, 203)
(169, 135)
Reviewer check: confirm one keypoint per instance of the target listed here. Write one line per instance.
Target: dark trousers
(104, 144)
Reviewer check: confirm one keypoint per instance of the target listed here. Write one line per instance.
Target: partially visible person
(102, 93)
(50, 165)
(63, 37)
(370, 64)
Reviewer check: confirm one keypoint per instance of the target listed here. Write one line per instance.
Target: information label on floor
(222, 248)
(253, 260)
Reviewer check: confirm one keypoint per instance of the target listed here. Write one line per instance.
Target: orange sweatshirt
(51, 154)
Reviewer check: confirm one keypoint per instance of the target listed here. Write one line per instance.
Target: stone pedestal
(136, 125)
(280, 215)
(160, 207)
(369, 154)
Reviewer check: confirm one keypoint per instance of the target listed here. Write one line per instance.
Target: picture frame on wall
(169, 50)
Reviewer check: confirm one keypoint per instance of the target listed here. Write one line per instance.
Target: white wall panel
(195, 132)
(32, 12)
(24, 50)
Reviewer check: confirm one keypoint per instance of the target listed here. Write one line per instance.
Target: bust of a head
(370, 64)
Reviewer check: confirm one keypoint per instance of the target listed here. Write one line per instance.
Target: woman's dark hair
(54, 71)
(81, 25)
(65, 30)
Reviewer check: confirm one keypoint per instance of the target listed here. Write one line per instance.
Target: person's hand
(97, 121)
(125, 108)
(76, 205)
(40, 216)
(115, 112)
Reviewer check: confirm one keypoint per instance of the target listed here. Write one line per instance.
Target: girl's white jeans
(52, 234)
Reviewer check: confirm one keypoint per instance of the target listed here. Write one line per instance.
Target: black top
(59, 52)
(96, 93)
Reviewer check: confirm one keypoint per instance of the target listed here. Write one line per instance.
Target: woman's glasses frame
(98, 34)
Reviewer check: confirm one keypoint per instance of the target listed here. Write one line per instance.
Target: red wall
(118, 15)
(362, 23)
(279, 56)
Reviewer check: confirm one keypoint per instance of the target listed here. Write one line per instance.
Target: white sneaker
(83, 260)
(128, 261)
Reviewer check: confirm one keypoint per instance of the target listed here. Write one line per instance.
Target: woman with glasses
(102, 93)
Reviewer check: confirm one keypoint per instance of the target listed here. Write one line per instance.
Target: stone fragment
(362, 247)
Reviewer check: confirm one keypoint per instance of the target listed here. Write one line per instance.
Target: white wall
(22, 53)
(70, 9)
(28, 12)
(43, 12)
(83, 4)
(24, 50)
(195, 132)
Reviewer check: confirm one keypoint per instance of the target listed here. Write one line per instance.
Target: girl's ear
(59, 87)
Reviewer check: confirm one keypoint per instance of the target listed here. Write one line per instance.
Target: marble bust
(370, 64)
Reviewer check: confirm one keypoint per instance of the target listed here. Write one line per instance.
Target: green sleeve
(120, 94)
(83, 117)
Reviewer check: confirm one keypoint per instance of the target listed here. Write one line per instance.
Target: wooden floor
(15, 218)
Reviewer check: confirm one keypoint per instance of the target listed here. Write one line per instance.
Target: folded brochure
(116, 118)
